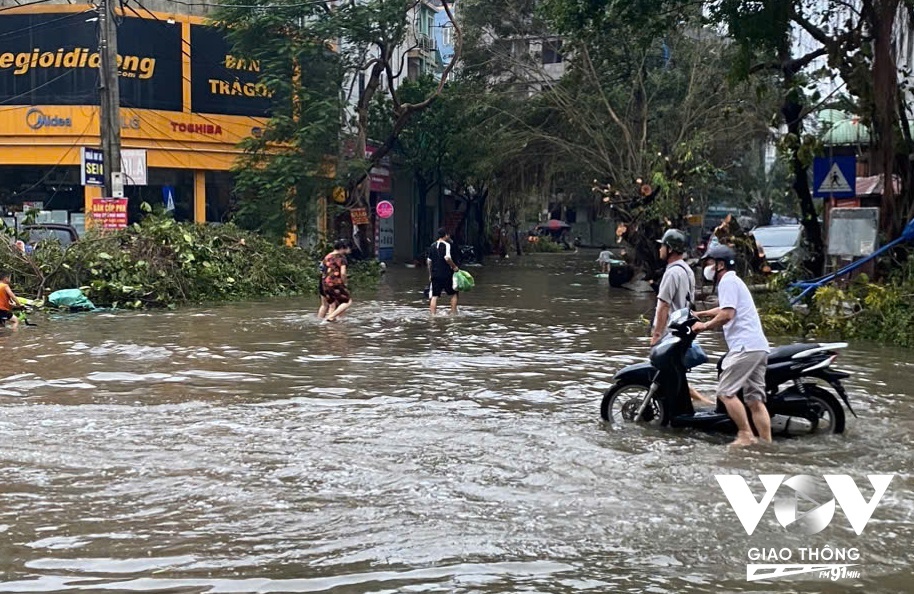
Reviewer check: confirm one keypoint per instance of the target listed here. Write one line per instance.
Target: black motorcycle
(466, 254)
(658, 392)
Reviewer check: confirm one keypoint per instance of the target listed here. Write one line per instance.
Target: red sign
(380, 180)
(385, 209)
(359, 216)
(380, 173)
(109, 213)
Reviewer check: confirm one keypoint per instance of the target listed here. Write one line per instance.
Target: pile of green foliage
(163, 263)
(862, 310)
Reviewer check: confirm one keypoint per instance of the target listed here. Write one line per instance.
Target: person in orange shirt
(8, 301)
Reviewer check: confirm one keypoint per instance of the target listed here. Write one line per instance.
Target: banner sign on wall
(380, 173)
(109, 213)
(359, 216)
(52, 58)
(133, 165)
(91, 170)
(385, 238)
(221, 82)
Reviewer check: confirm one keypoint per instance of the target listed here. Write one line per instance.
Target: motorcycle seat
(784, 353)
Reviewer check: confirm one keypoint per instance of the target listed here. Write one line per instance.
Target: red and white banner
(109, 213)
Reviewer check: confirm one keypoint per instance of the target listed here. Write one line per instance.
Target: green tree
(306, 51)
(652, 120)
(855, 38)
(286, 164)
(371, 32)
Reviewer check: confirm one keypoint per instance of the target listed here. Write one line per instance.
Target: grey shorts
(743, 370)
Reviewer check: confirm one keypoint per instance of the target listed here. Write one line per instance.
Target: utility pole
(109, 94)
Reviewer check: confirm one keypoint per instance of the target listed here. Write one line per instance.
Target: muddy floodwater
(247, 448)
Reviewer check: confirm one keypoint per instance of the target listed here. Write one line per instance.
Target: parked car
(781, 244)
(38, 232)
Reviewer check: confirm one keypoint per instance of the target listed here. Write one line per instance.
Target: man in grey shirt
(677, 289)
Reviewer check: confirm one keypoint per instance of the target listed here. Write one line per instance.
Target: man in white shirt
(747, 360)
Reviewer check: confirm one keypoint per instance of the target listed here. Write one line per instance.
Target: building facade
(186, 103)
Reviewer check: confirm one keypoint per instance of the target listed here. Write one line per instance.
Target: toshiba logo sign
(197, 129)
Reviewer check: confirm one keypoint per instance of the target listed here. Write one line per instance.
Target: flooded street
(246, 448)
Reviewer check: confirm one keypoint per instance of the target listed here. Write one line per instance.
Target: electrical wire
(31, 28)
(266, 6)
(32, 90)
(23, 5)
(56, 165)
(139, 114)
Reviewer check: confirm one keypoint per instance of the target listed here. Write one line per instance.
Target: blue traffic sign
(834, 177)
(168, 197)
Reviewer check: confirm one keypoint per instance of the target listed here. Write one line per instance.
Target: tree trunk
(481, 243)
(793, 116)
(517, 246)
(885, 98)
(422, 187)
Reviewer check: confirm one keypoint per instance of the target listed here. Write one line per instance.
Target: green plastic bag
(463, 280)
(72, 298)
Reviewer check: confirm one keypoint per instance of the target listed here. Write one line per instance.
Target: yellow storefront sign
(141, 124)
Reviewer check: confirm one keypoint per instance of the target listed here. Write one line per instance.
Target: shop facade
(186, 104)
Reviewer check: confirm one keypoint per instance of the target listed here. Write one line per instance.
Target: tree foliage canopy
(312, 57)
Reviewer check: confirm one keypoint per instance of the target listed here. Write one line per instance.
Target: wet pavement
(247, 448)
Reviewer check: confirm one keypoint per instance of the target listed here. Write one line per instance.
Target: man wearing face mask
(677, 291)
(744, 366)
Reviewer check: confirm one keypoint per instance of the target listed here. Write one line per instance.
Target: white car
(781, 244)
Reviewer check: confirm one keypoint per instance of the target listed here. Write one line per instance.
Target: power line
(24, 5)
(33, 89)
(56, 165)
(212, 5)
(139, 114)
(31, 28)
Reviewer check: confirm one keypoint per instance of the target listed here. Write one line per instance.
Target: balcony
(424, 44)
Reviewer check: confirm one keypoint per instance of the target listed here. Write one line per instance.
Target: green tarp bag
(463, 280)
(71, 298)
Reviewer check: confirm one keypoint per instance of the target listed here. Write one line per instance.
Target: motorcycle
(658, 392)
(466, 254)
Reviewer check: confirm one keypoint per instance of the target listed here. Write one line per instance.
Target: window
(552, 52)
(423, 25)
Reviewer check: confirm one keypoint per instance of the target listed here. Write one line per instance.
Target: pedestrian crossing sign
(835, 177)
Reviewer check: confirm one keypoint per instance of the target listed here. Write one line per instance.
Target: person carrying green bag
(463, 281)
(441, 269)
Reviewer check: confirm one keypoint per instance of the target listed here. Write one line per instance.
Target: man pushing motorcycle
(744, 366)
(677, 291)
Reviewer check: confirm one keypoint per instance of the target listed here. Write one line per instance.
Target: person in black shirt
(441, 269)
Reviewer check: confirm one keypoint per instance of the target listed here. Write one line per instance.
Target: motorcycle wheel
(621, 402)
(829, 410)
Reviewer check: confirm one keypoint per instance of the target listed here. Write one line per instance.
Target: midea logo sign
(804, 489)
(36, 120)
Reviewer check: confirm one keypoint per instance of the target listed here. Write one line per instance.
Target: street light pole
(109, 96)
